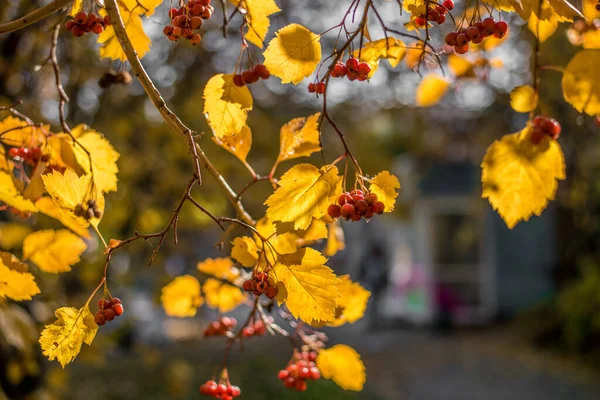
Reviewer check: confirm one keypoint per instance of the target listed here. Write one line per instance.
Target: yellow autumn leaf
(226, 105)
(542, 28)
(581, 82)
(68, 190)
(342, 364)
(12, 196)
(62, 154)
(110, 46)
(245, 251)
(310, 286)
(385, 186)
(460, 66)
(591, 39)
(181, 298)
(504, 5)
(293, 54)
(62, 340)
(15, 282)
(222, 268)
(77, 6)
(590, 10)
(257, 13)
(48, 207)
(317, 230)
(352, 301)
(524, 99)
(222, 296)
(53, 251)
(391, 49)
(12, 235)
(519, 177)
(299, 138)
(335, 239)
(238, 144)
(543, 9)
(431, 90)
(414, 54)
(282, 243)
(103, 156)
(18, 133)
(304, 192)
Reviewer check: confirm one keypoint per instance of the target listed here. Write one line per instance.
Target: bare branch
(34, 16)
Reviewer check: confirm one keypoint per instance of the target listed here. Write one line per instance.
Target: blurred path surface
(481, 365)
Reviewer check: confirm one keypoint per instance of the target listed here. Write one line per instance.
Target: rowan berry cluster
(90, 212)
(256, 329)
(83, 23)
(301, 369)
(220, 327)
(29, 155)
(248, 77)
(259, 284)
(356, 204)
(108, 310)
(187, 19)
(436, 13)
(544, 126)
(220, 390)
(114, 78)
(352, 69)
(476, 34)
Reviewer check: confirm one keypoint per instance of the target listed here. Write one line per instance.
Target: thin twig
(34, 16)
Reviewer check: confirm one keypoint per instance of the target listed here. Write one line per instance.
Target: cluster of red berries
(299, 370)
(352, 69)
(544, 126)
(436, 13)
(92, 210)
(30, 155)
(259, 284)
(476, 34)
(256, 329)
(356, 204)
(108, 310)
(220, 390)
(220, 327)
(248, 77)
(188, 18)
(83, 23)
(318, 88)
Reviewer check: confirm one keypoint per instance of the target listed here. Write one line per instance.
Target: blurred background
(462, 307)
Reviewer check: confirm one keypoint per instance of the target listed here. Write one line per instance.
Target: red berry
(115, 300)
(173, 12)
(450, 38)
(247, 77)
(347, 211)
(315, 373)
(195, 22)
(300, 385)
(420, 21)
(271, 292)
(333, 211)
(221, 389)
(361, 207)
(461, 39)
(102, 304)
(69, 25)
(235, 391)
(168, 30)
(352, 64)
(378, 207)
(237, 80)
(363, 69)
(100, 319)
(195, 39)
(248, 331)
(98, 29)
(106, 20)
(488, 25)
(461, 49)
(345, 198)
(177, 32)
(433, 15)
(77, 31)
(262, 71)
(312, 356)
(80, 17)
(441, 19)
(311, 88)
(109, 314)
(358, 192)
(352, 75)
(283, 374)
(320, 88)
(440, 10)
(501, 27)
(289, 382)
(118, 309)
(247, 286)
(473, 33)
(304, 373)
(262, 286)
(13, 152)
(448, 4)
(339, 70)
(371, 198)
(207, 12)
(259, 328)
(180, 21)
(261, 276)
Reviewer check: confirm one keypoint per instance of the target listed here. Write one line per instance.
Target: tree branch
(34, 16)
(168, 116)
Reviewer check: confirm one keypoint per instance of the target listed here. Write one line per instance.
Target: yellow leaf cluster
(245, 251)
(293, 54)
(342, 364)
(391, 49)
(431, 90)
(335, 239)
(181, 298)
(385, 186)
(62, 340)
(221, 268)
(581, 82)
(352, 302)
(222, 296)
(310, 287)
(524, 99)
(47, 206)
(226, 105)
(18, 133)
(15, 282)
(238, 144)
(519, 177)
(304, 192)
(299, 138)
(257, 13)
(53, 251)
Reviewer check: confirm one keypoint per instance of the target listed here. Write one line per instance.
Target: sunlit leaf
(352, 302)
(524, 99)
(258, 13)
(520, 177)
(460, 66)
(53, 251)
(48, 207)
(12, 235)
(581, 82)
(391, 49)
(238, 144)
(294, 54)
(431, 90)
(222, 296)
(335, 239)
(18, 133)
(342, 364)
(110, 46)
(15, 282)
(62, 340)
(590, 10)
(244, 251)
(12, 196)
(543, 28)
(385, 186)
(226, 105)
(299, 138)
(181, 298)
(222, 268)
